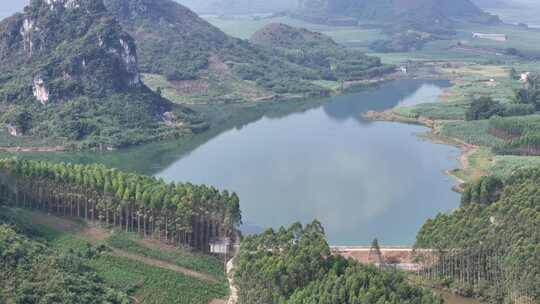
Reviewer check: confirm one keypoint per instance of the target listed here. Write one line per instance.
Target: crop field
(147, 283)
(469, 87)
(152, 285)
(470, 81)
(439, 110)
(525, 40)
(471, 132)
(199, 262)
(504, 165)
(484, 162)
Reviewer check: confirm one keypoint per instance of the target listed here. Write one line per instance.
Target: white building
(495, 37)
(525, 76)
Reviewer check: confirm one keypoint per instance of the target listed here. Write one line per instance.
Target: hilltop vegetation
(499, 220)
(295, 265)
(201, 62)
(70, 72)
(319, 52)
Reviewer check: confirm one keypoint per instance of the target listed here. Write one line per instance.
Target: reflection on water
(361, 179)
(300, 161)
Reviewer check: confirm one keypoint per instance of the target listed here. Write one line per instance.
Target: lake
(361, 179)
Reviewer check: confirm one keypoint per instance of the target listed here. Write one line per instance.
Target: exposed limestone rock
(26, 33)
(12, 130)
(171, 121)
(65, 3)
(41, 93)
(130, 59)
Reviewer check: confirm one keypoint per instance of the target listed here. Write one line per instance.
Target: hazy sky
(8, 7)
(11, 6)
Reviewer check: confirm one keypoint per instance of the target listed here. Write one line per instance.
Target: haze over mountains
(423, 15)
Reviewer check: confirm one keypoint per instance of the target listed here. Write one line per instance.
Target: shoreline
(466, 150)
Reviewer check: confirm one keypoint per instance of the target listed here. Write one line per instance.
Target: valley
(144, 140)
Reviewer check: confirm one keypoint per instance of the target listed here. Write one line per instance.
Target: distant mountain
(485, 4)
(171, 38)
(199, 59)
(284, 36)
(319, 52)
(239, 6)
(68, 71)
(416, 13)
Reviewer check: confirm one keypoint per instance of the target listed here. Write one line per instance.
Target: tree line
(521, 134)
(489, 246)
(179, 214)
(295, 266)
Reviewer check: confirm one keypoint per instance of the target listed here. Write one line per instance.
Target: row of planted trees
(520, 134)
(475, 270)
(179, 214)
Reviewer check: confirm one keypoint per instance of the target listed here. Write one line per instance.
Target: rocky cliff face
(67, 47)
(69, 70)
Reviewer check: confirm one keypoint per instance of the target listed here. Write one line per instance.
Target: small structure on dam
(404, 258)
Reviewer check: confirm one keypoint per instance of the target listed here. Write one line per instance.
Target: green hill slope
(318, 52)
(296, 266)
(32, 273)
(70, 73)
(201, 63)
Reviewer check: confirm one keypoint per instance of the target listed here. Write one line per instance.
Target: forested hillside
(199, 60)
(490, 246)
(178, 214)
(70, 73)
(319, 52)
(295, 266)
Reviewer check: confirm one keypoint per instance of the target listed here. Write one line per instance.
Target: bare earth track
(95, 235)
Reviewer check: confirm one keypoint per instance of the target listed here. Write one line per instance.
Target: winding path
(233, 297)
(95, 235)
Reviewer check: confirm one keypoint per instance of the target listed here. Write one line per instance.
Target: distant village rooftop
(496, 37)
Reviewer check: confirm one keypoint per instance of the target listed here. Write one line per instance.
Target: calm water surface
(361, 179)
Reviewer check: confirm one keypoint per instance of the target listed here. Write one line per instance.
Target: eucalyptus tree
(182, 214)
